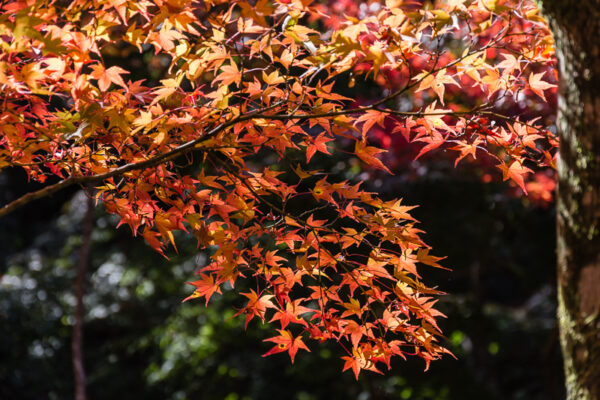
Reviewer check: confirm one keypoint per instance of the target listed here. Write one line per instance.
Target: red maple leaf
(286, 342)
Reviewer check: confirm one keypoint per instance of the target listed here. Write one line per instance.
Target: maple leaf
(151, 238)
(272, 259)
(359, 361)
(509, 64)
(353, 307)
(120, 6)
(424, 257)
(466, 149)
(370, 118)
(256, 307)
(286, 58)
(286, 342)
(304, 174)
(229, 74)
(314, 223)
(537, 85)
(437, 83)
(273, 78)
(352, 362)
(317, 144)
(391, 320)
(355, 330)
(527, 135)
(368, 153)
(164, 39)
(516, 171)
(168, 87)
(165, 225)
(492, 81)
(292, 312)
(404, 128)
(433, 142)
(107, 76)
(397, 210)
(205, 286)
(375, 268)
(433, 118)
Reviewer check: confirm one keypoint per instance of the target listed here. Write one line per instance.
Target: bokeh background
(141, 342)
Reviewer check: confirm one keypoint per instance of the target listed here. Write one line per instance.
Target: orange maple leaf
(107, 76)
(516, 172)
(437, 83)
(205, 286)
(466, 149)
(434, 141)
(370, 118)
(229, 74)
(318, 143)
(367, 154)
(257, 306)
(537, 85)
(509, 64)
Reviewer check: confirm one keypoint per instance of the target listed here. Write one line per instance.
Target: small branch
(151, 162)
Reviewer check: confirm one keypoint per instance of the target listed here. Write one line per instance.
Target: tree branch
(151, 162)
(257, 114)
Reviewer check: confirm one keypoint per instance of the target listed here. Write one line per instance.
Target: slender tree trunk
(576, 29)
(77, 342)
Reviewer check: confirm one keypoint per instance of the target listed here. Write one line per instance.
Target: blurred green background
(141, 342)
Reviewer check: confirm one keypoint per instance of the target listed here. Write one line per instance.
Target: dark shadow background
(141, 342)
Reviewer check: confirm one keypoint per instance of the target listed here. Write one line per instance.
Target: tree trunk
(77, 341)
(576, 29)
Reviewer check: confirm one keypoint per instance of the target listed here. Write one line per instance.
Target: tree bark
(77, 341)
(576, 30)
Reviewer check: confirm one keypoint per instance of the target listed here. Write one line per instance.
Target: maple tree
(248, 81)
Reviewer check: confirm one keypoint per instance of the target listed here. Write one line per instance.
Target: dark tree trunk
(77, 342)
(576, 29)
